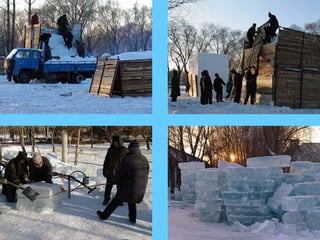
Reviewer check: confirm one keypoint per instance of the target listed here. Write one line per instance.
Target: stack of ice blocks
(297, 200)
(249, 189)
(188, 180)
(209, 184)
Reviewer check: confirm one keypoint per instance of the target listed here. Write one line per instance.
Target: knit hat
(115, 138)
(36, 158)
(22, 155)
(134, 144)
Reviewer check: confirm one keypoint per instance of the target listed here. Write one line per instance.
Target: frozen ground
(75, 217)
(183, 226)
(59, 98)
(190, 105)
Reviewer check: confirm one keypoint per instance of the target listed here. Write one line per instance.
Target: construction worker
(251, 35)
(131, 178)
(113, 158)
(270, 30)
(17, 173)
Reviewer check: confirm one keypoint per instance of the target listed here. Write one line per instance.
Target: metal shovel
(27, 191)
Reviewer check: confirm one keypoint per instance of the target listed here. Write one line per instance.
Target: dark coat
(251, 85)
(41, 174)
(175, 86)
(17, 173)
(131, 177)
(113, 159)
(206, 89)
(217, 84)
(273, 21)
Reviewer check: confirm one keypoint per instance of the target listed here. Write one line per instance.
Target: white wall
(214, 63)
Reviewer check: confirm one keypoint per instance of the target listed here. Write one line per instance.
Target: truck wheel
(78, 78)
(24, 77)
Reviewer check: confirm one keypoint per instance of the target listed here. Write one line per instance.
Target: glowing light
(232, 157)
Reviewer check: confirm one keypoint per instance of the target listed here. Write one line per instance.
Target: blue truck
(24, 64)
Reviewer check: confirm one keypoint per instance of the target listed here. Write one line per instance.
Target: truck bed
(68, 66)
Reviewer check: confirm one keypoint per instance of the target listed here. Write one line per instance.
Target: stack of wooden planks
(136, 77)
(297, 77)
(32, 36)
(125, 78)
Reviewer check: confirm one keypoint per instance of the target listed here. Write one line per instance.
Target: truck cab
(22, 64)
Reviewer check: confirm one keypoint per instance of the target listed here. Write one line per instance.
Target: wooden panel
(104, 77)
(32, 36)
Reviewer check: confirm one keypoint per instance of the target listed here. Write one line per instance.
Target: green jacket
(16, 173)
(113, 159)
(1, 179)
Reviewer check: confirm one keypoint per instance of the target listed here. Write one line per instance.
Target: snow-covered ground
(184, 226)
(59, 98)
(190, 105)
(76, 217)
(37, 97)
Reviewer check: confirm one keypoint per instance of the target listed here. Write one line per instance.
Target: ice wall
(248, 195)
(188, 180)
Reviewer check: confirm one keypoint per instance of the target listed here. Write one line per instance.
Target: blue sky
(240, 14)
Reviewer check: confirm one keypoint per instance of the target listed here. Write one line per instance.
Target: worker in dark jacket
(132, 178)
(251, 84)
(175, 86)
(17, 173)
(114, 156)
(251, 35)
(217, 86)
(270, 30)
(40, 169)
(206, 88)
(237, 84)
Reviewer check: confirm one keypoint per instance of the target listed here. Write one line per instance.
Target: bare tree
(110, 16)
(78, 12)
(137, 29)
(177, 3)
(313, 28)
(30, 3)
(182, 42)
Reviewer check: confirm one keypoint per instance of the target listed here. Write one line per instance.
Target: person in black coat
(217, 86)
(206, 88)
(131, 178)
(270, 30)
(237, 85)
(175, 86)
(251, 35)
(17, 173)
(40, 169)
(251, 86)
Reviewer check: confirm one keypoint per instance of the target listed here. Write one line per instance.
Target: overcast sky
(240, 14)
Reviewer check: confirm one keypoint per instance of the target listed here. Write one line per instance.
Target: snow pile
(134, 55)
(260, 199)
